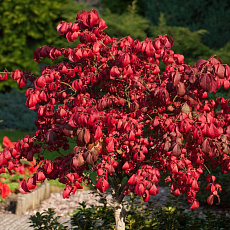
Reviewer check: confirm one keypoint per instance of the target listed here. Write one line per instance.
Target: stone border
(33, 199)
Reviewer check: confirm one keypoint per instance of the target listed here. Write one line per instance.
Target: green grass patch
(56, 183)
(14, 135)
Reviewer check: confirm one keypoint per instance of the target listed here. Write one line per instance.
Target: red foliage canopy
(129, 118)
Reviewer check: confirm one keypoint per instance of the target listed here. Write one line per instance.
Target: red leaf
(91, 120)
(3, 160)
(114, 72)
(102, 24)
(226, 84)
(132, 180)
(102, 184)
(131, 136)
(181, 89)
(176, 150)
(78, 161)
(110, 146)
(40, 82)
(63, 113)
(42, 96)
(51, 137)
(80, 136)
(125, 165)
(149, 49)
(146, 196)
(206, 146)
(138, 156)
(66, 192)
(177, 78)
(92, 17)
(195, 185)
(227, 71)
(205, 130)
(62, 27)
(16, 75)
(213, 131)
(110, 169)
(23, 187)
(74, 35)
(4, 77)
(139, 189)
(41, 176)
(4, 190)
(100, 172)
(69, 37)
(7, 142)
(177, 192)
(96, 47)
(31, 183)
(210, 199)
(2, 169)
(77, 185)
(153, 191)
(167, 146)
(48, 166)
(195, 204)
(125, 60)
(87, 136)
(32, 100)
(88, 158)
(98, 133)
(208, 83)
(200, 62)
(219, 70)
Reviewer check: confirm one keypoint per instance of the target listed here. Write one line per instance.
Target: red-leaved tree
(129, 119)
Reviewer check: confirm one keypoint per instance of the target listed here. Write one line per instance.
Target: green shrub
(46, 221)
(211, 15)
(129, 23)
(14, 113)
(185, 41)
(27, 24)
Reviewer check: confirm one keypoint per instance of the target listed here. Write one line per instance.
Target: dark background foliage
(211, 15)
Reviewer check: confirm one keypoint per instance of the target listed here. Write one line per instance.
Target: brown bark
(120, 214)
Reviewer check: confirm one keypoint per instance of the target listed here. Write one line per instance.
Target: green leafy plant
(93, 217)
(46, 221)
(129, 23)
(27, 24)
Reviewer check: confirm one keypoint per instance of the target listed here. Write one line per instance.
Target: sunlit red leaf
(4, 190)
(102, 184)
(195, 205)
(23, 188)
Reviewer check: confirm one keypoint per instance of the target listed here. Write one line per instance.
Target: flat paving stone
(14, 222)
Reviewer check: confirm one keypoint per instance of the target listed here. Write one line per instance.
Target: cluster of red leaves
(14, 167)
(130, 120)
(4, 190)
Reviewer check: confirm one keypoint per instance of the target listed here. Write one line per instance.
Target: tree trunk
(120, 214)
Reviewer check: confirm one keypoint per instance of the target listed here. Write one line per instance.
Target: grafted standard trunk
(120, 214)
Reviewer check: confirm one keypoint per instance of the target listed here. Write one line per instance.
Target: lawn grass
(14, 135)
